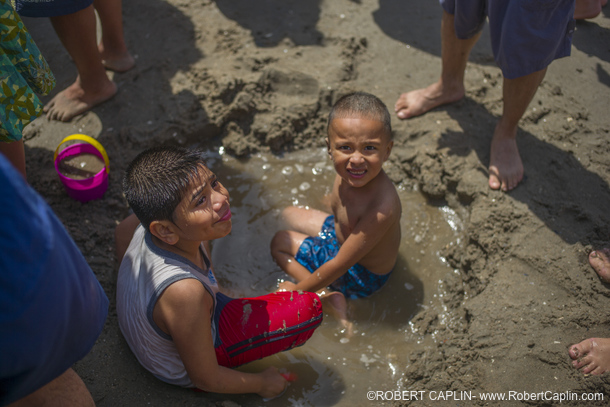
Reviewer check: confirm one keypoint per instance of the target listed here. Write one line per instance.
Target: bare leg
(15, 153)
(450, 86)
(591, 355)
(285, 244)
(284, 247)
(92, 87)
(68, 390)
(307, 221)
(588, 8)
(505, 166)
(112, 48)
(600, 261)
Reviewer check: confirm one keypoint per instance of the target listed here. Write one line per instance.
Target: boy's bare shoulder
(387, 200)
(184, 293)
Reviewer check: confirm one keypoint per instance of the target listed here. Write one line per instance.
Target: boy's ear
(388, 150)
(165, 231)
(328, 147)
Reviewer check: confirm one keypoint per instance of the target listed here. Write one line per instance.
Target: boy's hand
(274, 383)
(287, 286)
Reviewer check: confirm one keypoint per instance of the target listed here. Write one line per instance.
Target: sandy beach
(260, 77)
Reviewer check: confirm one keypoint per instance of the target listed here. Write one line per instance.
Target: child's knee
(279, 242)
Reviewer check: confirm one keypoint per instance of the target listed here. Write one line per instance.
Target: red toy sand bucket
(89, 187)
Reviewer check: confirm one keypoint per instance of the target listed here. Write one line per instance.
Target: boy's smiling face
(204, 213)
(358, 147)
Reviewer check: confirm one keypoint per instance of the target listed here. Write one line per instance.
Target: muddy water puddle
(332, 369)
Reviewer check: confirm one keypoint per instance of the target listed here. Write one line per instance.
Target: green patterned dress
(23, 71)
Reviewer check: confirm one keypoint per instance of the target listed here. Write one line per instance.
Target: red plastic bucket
(87, 189)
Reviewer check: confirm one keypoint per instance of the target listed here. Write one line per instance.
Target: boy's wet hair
(361, 104)
(157, 180)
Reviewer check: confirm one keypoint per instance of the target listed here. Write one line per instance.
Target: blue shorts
(526, 35)
(50, 8)
(358, 282)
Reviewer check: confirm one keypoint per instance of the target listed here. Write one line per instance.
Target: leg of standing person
(505, 166)
(112, 47)
(67, 390)
(15, 153)
(450, 86)
(588, 8)
(77, 33)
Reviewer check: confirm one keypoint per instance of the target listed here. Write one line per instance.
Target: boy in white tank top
(175, 320)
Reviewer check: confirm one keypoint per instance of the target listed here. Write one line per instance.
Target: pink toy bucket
(87, 189)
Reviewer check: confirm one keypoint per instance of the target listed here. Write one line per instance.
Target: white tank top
(145, 272)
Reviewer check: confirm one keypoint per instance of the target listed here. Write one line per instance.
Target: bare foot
(334, 302)
(117, 62)
(588, 8)
(74, 100)
(420, 101)
(591, 355)
(600, 261)
(505, 166)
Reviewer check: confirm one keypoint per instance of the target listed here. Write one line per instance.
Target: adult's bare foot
(505, 166)
(74, 100)
(600, 261)
(116, 61)
(420, 101)
(591, 355)
(588, 8)
(335, 303)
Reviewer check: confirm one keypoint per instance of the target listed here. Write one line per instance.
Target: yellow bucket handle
(89, 140)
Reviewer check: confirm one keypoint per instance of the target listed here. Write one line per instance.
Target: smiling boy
(353, 250)
(171, 311)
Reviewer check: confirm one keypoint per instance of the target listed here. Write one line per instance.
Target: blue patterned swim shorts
(358, 282)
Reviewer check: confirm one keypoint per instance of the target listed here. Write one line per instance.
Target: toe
(494, 182)
(574, 351)
(598, 371)
(399, 103)
(588, 367)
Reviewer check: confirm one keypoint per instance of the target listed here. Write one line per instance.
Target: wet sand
(263, 79)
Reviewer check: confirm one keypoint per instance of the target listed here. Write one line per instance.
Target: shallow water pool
(332, 370)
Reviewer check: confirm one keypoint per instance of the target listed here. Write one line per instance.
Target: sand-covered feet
(75, 100)
(591, 356)
(420, 101)
(600, 261)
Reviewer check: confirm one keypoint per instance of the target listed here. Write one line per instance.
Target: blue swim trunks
(50, 8)
(358, 282)
(526, 35)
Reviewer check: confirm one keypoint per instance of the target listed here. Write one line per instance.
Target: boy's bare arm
(184, 311)
(367, 232)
